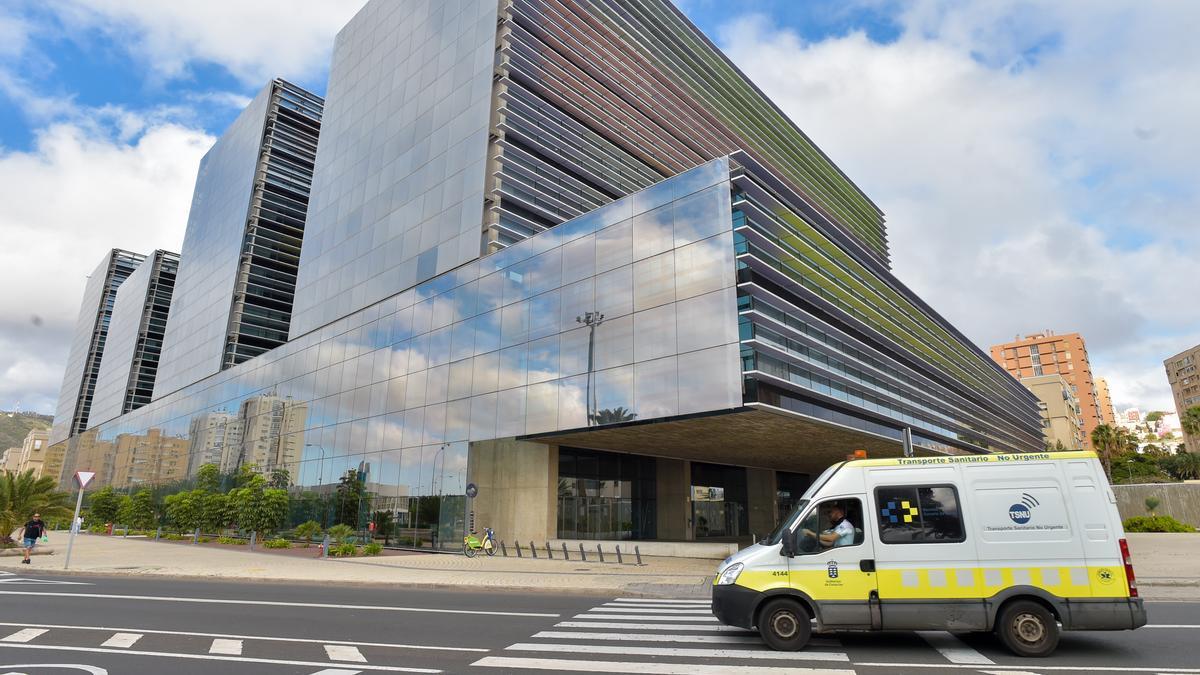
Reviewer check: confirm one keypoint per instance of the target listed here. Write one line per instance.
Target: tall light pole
(591, 320)
(321, 465)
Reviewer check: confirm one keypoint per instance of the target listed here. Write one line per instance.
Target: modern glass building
(567, 253)
(237, 273)
(87, 345)
(134, 343)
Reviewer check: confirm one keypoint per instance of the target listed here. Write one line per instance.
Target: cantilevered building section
(87, 346)
(135, 334)
(237, 275)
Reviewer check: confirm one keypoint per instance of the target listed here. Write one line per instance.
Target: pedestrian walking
(33, 530)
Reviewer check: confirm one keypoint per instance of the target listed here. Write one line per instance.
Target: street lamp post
(321, 464)
(1129, 468)
(591, 320)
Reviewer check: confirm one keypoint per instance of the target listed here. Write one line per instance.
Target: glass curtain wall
(606, 495)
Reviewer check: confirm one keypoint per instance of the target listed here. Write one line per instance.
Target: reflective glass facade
(237, 270)
(87, 346)
(398, 192)
(134, 342)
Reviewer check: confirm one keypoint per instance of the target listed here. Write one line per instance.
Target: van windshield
(786, 524)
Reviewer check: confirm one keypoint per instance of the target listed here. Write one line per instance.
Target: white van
(1015, 543)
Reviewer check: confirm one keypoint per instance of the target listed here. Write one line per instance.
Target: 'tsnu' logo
(1023, 512)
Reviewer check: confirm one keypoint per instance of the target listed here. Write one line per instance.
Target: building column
(760, 494)
(518, 489)
(674, 499)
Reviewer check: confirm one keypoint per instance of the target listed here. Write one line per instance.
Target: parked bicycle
(473, 544)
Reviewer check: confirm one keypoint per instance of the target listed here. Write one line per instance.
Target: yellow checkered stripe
(962, 583)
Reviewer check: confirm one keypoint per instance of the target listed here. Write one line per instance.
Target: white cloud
(254, 39)
(1037, 170)
(108, 178)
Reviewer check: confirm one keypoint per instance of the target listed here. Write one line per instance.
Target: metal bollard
(619, 560)
(532, 549)
(196, 536)
(158, 534)
(600, 550)
(637, 551)
(253, 537)
(582, 553)
(503, 550)
(518, 545)
(549, 553)
(565, 556)
(325, 547)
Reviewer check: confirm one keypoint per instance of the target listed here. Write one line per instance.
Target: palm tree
(22, 495)
(613, 416)
(1106, 441)
(1191, 421)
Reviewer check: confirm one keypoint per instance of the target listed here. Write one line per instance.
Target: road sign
(82, 478)
(472, 490)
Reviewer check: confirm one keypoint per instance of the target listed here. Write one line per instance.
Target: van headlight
(730, 574)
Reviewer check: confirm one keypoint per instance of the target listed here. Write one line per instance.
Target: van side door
(832, 561)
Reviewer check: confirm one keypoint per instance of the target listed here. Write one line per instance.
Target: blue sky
(1037, 162)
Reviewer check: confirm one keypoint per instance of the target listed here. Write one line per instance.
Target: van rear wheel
(1027, 628)
(784, 625)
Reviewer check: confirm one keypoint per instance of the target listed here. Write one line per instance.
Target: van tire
(785, 625)
(1027, 628)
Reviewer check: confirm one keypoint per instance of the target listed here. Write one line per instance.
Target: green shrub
(373, 548)
(1156, 524)
(203, 540)
(174, 537)
(98, 529)
(340, 533)
(277, 543)
(231, 540)
(343, 550)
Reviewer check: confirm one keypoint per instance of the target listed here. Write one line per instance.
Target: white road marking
(642, 626)
(271, 603)
(344, 653)
(656, 605)
(212, 657)
(24, 635)
(636, 667)
(680, 652)
(337, 671)
(18, 581)
(651, 610)
(648, 637)
(645, 617)
(122, 640)
(955, 650)
(91, 670)
(251, 637)
(1009, 670)
(231, 647)
(1171, 625)
(681, 601)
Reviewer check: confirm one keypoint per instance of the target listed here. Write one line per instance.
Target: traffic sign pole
(82, 478)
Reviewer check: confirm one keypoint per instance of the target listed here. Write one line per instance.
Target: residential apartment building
(1184, 378)
(568, 253)
(33, 455)
(1062, 421)
(1108, 414)
(1047, 353)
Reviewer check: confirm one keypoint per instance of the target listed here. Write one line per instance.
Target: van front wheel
(1027, 628)
(784, 625)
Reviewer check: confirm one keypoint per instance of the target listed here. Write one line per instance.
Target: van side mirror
(787, 544)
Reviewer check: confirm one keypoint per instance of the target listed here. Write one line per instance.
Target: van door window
(832, 524)
(918, 514)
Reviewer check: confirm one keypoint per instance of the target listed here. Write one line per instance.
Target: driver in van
(840, 532)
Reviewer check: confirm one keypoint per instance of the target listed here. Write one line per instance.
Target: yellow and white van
(1015, 543)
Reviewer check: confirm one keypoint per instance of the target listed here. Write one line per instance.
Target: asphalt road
(54, 624)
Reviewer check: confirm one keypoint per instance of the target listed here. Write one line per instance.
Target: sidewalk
(1167, 566)
(98, 554)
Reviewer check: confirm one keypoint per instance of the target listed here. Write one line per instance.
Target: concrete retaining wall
(1178, 500)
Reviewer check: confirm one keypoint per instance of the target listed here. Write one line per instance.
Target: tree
(137, 511)
(1154, 416)
(215, 513)
(1183, 466)
(104, 504)
(384, 522)
(280, 479)
(351, 492)
(1105, 442)
(1190, 421)
(22, 495)
(259, 508)
(245, 474)
(307, 530)
(613, 416)
(1151, 504)
(340, 533)
(208, 478)
(186, 509)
